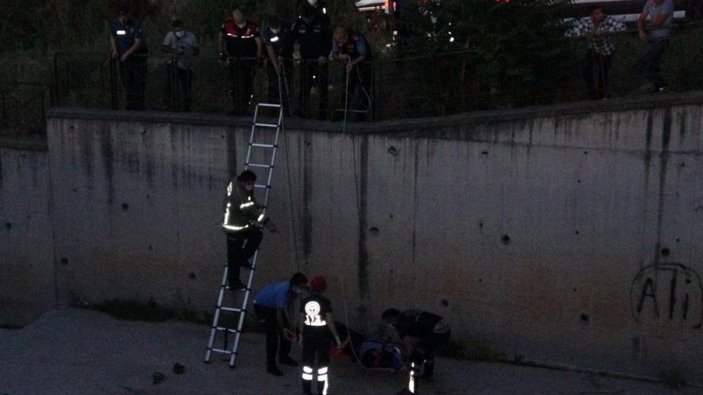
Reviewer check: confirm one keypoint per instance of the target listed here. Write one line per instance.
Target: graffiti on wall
(668, 292)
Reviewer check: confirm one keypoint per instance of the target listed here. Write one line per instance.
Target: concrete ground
(73, 351)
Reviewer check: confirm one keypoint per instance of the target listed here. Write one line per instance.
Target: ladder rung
(232, 309)
(224, 329)
(271, 105)
(262, 145)
(259, 165)
(221, 350)
(265, 125)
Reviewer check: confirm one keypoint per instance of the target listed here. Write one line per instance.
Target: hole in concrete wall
(682, 164)
(150, 248)
(585, 152)
(578, 181)
(444, 302)
(577, 232)
(125, 206)
(480, 224)
(484, 152)
(665, 251)
(505, 239)
(480, 280)
(373, 231)
(8, 225)
(584, 317)
(390, 216)
(393, 151)
(63, 261)
(191, 276)
(573, 289)
(678, 240)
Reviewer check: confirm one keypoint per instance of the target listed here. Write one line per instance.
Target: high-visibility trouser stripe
(322, 376)
(307, 373)
(411, 382)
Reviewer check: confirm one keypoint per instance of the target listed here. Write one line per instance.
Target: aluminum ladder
(261, 154)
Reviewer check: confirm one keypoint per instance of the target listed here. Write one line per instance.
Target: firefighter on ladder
(242, 224)
(316, 330)
(421, 332)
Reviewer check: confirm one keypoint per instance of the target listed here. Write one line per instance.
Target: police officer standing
(311, 30)
(129, 49)
(354, 51)
(241, 47)
(278, 42)
(421, 332)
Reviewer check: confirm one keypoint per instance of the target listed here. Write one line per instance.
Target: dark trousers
(241, 76)
(278, 85)
(425, 352)
(595, 74)
(133, 76)
(240, 247)
(315, 345)
(276, 343)
(178, 81)
(359, 79)
(649, 65)
(314, 75)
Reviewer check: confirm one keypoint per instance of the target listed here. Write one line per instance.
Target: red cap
(318, 284)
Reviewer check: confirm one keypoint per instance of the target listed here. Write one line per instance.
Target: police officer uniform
(241, 48)
(361, 76)
(133, 69)
(279, 40)
(311, 30)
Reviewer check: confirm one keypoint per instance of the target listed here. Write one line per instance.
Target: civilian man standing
(654, 28)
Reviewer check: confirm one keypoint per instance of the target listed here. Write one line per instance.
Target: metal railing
(22, 108)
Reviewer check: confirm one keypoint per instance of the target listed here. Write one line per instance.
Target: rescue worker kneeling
(316, 329)
(243, 222)
(421, 332)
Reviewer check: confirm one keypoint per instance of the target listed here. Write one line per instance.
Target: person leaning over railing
(129, 49)
(182, 45)
(278, 41)
(353, 49)
(241, 47)
(597, 28)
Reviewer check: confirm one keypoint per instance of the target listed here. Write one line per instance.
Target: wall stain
(363, 219)
(663, 163)
(307, 192)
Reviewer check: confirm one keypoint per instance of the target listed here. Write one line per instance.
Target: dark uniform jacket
(315, 308)
(281, 42)
(239, 41)
(417, 323)
(241, 210)
(355, 46)
(313, 37)
(126, 33)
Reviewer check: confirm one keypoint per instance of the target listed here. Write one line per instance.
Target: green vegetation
(465, 55)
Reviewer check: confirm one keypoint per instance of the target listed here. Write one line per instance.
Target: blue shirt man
(270, 306)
